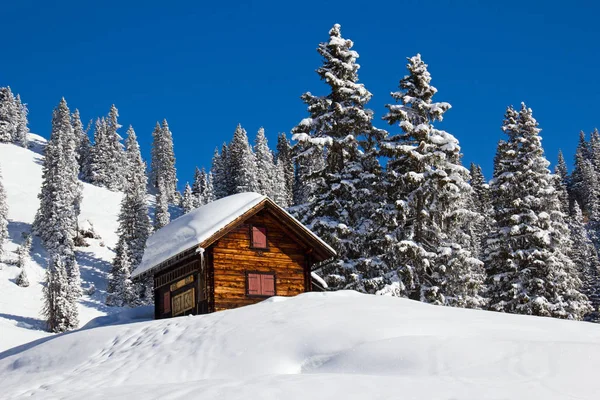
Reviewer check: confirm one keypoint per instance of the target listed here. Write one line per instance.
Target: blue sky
(206, 67)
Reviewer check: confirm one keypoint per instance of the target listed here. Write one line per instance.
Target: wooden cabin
(230, 253)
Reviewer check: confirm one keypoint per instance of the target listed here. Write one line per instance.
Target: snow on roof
(198, 225)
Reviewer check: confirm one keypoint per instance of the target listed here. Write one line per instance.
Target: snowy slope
(318, 346)
(20, 319)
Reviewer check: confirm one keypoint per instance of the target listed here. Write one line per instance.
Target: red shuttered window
(260, 284)
(258, 237)
(167, 302)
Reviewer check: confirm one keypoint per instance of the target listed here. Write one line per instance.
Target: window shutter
(259, 237)
(166, 302)
(267, 284)
(254, 284)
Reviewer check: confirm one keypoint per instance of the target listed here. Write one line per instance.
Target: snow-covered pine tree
(279, 191)
(60, 311)
(265, 166)
(209, 195)
(188, 203)
(241, 163)
(56, 221)
(22, 129)
(527, 253)
(219, 174)
(197, 187)
(482, 204)
(116, 154)
(134, 228)
(429, 186)
(3, 216)
(84, 146)
(163, 160)
(161, 214)
(9, 115)
(577, 184)
(285, 156)
(122, 291)
(23, 261)
(100, 155)
(561, 183)
(309, 164)
(585, 257)
(338, 122)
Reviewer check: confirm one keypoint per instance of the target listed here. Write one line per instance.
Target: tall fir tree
(220, 175)
(585, 257)
(134, 228)
(241, 164)
(200, 188)
(9, 115)
(577, 183)
(429, 186)
(332, 193)
(161, 215)
(84, 147)
(188, 202)
(23, 257)
(527, 253)
(163, 160)
(60, 311)
(265, 166)
(22, 124)
(285, 156)
(482, 205)
(561, 183)
(3, 216)
(56, 221)
(209, 195)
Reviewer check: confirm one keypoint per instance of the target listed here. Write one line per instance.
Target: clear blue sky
(207, 66)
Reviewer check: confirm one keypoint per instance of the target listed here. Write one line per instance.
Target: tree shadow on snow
(25, 322)
(16, 229)
(94, 271)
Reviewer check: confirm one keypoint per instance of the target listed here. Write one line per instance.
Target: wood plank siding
(233, 256)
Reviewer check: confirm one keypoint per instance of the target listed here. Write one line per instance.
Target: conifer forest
(389, 193)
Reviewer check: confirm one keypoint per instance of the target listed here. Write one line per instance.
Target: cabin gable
(254, 260)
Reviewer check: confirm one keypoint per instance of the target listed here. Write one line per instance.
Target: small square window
(260, 284)
(258, 237)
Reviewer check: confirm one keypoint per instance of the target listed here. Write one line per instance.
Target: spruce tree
(333, 191)
(161, 215)
(577, 184)
(121, 289)
(134, 228)
(285, 156)
(117, 165)
(481, 203)
(60, 311)
(527, 253)
(56, 222)
(22, 124)
(585, 257)
(219, 174)
(209, 195)
(265, 166)
(163, 160)
(429, 186)
(3, 216)
(241, 164)
(200, 188)
(188, 203)
(561, 183)
(9, 116)
(23, 261)
(279, 192)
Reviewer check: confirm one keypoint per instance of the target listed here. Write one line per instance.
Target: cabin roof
(201, 227)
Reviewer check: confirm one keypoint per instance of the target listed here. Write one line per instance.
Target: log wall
(232, 257)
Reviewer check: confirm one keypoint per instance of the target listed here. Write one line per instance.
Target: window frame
(251, 233)
(261, 296)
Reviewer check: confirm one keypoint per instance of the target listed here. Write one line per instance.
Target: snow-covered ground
(20, 319)
(317, 346)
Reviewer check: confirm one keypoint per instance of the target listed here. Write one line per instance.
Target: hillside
(317, 346)
(20, 319)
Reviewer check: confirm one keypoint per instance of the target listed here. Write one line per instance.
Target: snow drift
(318, 346)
